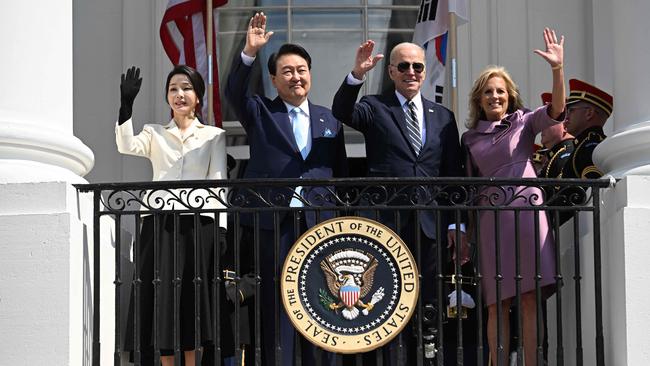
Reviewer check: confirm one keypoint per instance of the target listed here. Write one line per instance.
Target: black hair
(288, 49)
(195, 78)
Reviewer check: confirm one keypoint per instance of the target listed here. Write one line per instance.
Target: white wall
(46, 276)
(505, 32)
(110, 36)
(66, 60)
(626, 216)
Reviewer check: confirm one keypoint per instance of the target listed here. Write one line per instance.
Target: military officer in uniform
(588, 108)
(556, 152)
(557, 155)
(557, 147)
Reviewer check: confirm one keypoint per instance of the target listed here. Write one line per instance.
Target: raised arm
(129, 88)
(554, 55)
(127, 142)
(364, 60)
(256, 36)
(237, 91)
(344, 106)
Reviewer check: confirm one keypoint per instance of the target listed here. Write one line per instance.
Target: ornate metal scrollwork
(416, 193)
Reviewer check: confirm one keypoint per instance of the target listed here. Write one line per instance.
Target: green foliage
(325, 299)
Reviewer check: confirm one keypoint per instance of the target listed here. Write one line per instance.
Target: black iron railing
(256, 212)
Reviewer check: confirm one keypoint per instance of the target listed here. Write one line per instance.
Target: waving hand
(257, 36)
(554, 53)
(129, 87)
(364, 60)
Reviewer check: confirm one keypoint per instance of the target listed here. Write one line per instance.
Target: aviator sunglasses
(403, 66)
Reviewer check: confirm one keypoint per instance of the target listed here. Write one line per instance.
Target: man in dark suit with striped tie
(406, 135)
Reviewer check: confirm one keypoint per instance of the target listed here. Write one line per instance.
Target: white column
(36, 141)
(625, 154)
(46, 260)
(628, 151)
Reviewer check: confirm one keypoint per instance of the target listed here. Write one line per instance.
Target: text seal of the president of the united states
(349, 285)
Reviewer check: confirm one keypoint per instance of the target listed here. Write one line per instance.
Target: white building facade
(62, 64)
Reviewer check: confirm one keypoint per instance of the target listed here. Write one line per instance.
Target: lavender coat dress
(504, 149)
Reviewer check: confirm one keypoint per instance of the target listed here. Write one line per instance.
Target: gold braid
(575, 152)
(550, 162)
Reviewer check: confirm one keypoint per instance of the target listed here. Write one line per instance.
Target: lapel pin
(322, 120)
(430, 110)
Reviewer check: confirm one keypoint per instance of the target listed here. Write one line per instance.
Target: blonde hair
(514, 98)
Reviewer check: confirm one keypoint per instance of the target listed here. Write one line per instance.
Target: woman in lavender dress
(499, 143)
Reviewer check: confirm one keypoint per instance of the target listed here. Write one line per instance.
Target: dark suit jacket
(389, 153)
(273, 149)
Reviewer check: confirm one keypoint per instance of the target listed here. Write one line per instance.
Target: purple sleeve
(538, 119)
(471, 170)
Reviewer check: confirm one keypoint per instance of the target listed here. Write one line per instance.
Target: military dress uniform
(580, 164)
(556, 159)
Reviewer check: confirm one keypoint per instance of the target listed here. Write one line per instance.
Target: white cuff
(453, 227)
(351, 80)
(247, 60)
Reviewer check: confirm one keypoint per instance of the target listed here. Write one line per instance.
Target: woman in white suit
(183, 149)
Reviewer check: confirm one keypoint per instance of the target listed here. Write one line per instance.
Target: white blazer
(198, 154)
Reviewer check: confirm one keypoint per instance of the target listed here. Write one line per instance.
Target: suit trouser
(403, 349)
(285, 335)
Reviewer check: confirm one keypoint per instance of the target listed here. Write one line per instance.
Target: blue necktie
(300, 131)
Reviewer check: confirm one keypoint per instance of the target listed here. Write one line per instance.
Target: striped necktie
(413, 127)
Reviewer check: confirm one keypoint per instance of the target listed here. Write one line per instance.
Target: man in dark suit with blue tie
(406, 135)
(289, 137)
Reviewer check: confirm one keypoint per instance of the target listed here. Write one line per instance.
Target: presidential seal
(349, 285)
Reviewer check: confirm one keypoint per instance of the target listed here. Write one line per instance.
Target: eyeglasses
(404, 66)
(571, 109)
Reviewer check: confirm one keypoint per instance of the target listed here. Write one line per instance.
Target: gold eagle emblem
(350, 274)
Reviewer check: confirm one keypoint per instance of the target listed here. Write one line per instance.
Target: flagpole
(452, 56)
(209, 46)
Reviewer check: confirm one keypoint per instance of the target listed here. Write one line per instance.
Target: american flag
(183, 36)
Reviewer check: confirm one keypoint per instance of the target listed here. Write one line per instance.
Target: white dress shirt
(199, 153)
(419, 112)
